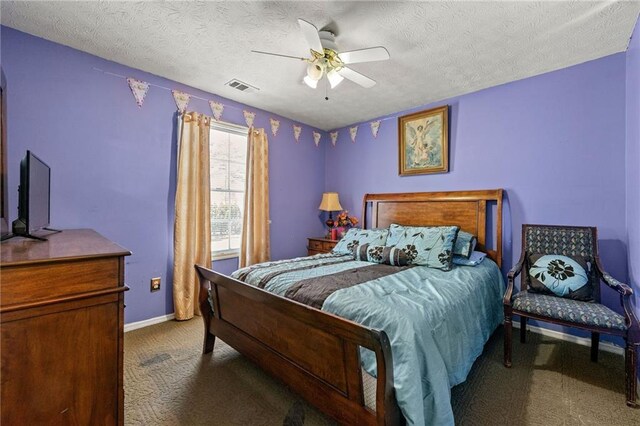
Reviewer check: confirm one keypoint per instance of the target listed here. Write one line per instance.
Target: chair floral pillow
(356, 236)
(561, 276)
(429, 246)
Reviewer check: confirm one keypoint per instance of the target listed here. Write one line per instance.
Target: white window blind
(228, 157)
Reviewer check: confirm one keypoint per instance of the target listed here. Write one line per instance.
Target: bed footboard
(313, 352)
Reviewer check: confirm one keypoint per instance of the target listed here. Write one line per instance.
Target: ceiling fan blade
(356, 77)
(371, 54)
(310, 33)
(278, 54)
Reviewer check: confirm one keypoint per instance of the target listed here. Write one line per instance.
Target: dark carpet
(169, 382)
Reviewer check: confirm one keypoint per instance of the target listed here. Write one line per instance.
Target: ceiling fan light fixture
(310, 82)
(315, 70)
(334, 78)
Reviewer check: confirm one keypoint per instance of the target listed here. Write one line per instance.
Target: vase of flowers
(344, 222)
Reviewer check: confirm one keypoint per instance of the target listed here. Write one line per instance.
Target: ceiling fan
(326, 60)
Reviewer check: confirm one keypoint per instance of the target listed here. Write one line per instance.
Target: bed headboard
(467, 209)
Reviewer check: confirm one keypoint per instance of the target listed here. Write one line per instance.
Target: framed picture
(4, 197)
(423, 142)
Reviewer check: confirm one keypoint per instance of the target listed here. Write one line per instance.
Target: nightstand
(320, 245)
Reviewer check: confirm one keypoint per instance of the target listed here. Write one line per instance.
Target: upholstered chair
(581, 243)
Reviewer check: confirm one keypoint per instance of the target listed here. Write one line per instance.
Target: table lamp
(330, 203)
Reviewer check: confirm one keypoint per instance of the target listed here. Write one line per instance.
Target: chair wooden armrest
(618, 286)
(625, 299)
(513, 273)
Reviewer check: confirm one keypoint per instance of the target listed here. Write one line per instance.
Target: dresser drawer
(328, 245)
(35, 282)
(315, 245)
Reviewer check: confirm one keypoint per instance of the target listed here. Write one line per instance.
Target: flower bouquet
(342, 223)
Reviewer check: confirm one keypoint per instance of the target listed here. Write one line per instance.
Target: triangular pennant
(216, 108)
(316, 138)
(296, 132)
(182, 99)
(375, 126)
(139, 89)
(248, 117)
(334, 137)
(275, 125)
(353, 131)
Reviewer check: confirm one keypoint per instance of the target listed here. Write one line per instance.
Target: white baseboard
(584, 341)
(146, 323)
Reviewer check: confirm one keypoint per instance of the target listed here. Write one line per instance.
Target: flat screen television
(33, 197)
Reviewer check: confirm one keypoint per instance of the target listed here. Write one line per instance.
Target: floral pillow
(561, 276)
(356, 236)
(428, 246)
(465, 244)
(381, 254)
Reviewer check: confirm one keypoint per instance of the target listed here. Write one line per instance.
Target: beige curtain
(255, 226)
(192, 226)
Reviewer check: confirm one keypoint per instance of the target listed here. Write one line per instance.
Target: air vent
(241, 86)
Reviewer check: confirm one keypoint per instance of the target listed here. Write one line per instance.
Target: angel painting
(424, 142)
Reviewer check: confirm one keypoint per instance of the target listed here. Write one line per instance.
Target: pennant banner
(375, 126)
(353, 131)
(316, 138)
(275, 125)
(139, 89)
(248, 117)
(182, 99)
(216, 108)
(334, 138)
(296, 132)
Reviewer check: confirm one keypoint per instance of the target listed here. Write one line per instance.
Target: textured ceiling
(438, 50)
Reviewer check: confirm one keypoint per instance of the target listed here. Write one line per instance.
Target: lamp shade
(310, 82)
(334, 78)
(330, 202)
(315, 70)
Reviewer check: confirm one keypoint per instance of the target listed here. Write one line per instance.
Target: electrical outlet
(155, 284)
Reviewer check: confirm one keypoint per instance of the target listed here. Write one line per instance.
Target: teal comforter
(437, 321)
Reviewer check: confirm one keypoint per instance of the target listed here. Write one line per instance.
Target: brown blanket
(314, 291)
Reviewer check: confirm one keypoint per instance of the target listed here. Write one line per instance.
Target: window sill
(224, 256)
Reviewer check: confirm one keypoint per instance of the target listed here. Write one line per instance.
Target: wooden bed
(316, 353)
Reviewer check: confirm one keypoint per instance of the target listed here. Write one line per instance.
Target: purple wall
(555, 142)
(633, 161)
(113, 164)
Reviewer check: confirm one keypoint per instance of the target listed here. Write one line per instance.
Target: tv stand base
(33, 237)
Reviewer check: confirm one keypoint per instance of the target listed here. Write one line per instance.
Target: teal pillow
(428, 246)
(356, 236)
(381, 254)
(559, 275)
(465, 244)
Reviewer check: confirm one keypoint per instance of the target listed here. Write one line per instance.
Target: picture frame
(4, 193)
(423, 142)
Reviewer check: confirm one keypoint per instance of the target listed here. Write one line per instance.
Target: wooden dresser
(61, 326)
(320, 245)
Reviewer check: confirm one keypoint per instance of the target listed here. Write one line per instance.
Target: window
(228, 157)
